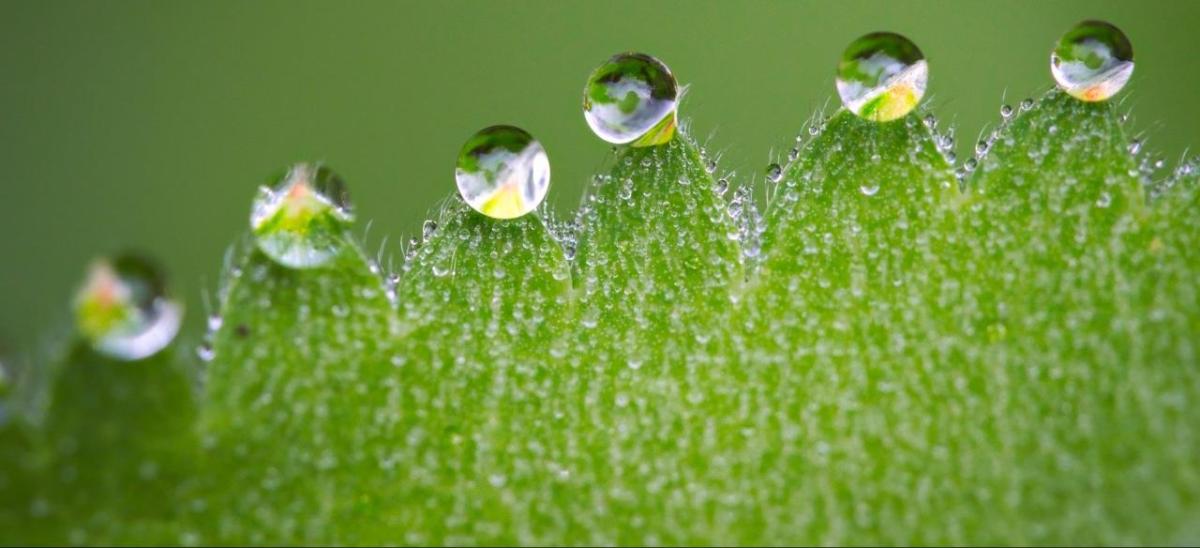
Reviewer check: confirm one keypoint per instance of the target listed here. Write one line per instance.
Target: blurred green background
(150, 124)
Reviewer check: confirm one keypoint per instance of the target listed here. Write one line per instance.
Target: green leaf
(659, 262)
(898, 352)
(485, 306)
(123, 446)
(294, 394)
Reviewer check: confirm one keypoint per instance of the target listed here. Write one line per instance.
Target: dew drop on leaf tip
(632, 99)
(301, 221)
(882, 76)
(1093, 61)
(123, 308)
(502, 172)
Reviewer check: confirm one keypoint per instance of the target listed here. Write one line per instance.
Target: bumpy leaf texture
(897, 350)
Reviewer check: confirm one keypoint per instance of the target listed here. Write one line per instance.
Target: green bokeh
(150, 124)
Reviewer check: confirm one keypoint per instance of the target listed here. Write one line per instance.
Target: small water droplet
(214, 322)
(774, 173)
(428, 229)
(882, 76)
(631, 99)
(869, 188)
(721, 186)
(1135, 146)
(1092, 61)
(123, 308)
(710, 166)
(205, 352)
(1104, 200)
(502, 172)
(931, 121)
(1006, 111)
(1026, 104)
(793, 154)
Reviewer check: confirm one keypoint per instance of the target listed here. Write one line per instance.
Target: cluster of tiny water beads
(123, 309)
(502, 172)
(302, 221)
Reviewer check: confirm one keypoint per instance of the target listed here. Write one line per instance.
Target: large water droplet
(631, 99)
(123, 308)
(1092, 61)
(503, 172)
(882, 76)
(301, 221)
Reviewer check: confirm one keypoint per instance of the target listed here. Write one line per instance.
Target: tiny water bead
(632, 99)
(882, 76)
(774, 173)
(502, 172)
(300, 222)
(123, 309)
(1092, 61)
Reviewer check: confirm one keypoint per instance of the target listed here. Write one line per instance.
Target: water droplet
(502, 172)
(1135, 146)
(774, 173)
(631, 99)
(721, 186)
(882, 76)
(1104, 200)
(205, 352)
(930, 121)
(428, 229)
(214, 322)
(123, 308)
(793, 154)
(869, 188)
(1026, 104)
(1006, 111)
(1092, 61)
(301, 221)
(710, 166)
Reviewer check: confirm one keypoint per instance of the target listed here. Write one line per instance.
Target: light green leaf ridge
(476, 453)
(659, 262)
(122, 448)
(294, 392)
